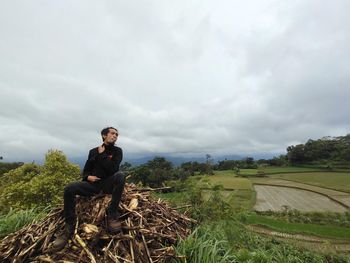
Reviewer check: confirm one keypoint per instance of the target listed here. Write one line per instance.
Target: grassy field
(175, 198)
(226, 179)
(238, 199)
(279, 170)
(333, 180)
(238, 192)
(327, 231)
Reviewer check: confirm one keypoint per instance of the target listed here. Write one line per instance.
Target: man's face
(111, 137)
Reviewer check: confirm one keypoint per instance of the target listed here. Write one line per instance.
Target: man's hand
(93, 178)
(101, 148)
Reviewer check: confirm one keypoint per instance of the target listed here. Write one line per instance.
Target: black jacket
(103, 164)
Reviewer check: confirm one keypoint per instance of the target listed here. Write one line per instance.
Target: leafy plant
(32, 185)
(16, 219)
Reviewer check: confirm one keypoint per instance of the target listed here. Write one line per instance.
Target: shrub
(31, 185)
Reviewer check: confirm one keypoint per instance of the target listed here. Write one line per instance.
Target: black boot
(113, 222)
(62, 239)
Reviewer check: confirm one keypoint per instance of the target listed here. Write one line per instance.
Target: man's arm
(89, 165)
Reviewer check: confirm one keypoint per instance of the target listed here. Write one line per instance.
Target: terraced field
(331, 180)
(274, 198)
(338, 196)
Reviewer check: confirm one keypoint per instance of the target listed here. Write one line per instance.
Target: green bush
(22, 174)
(214, 208)
(6, 167)
(31, 185)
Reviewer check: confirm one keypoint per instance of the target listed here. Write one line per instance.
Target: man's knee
(73, 188)
(69, 190)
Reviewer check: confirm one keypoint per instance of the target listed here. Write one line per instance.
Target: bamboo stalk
(147, 227)
(81, 242)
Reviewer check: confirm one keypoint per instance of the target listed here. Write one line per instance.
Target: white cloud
(178, 77)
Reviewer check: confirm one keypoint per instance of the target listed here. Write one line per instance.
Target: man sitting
(101, 174)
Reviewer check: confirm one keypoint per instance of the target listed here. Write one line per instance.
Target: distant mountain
(176, 160)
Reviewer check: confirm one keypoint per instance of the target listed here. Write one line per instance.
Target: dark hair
(105, 131)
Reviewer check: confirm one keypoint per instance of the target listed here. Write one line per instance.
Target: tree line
(325, 151)
(28, 185)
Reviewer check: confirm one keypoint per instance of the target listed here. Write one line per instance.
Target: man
(101, 174)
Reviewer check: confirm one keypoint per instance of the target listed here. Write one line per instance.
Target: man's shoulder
(117, 149)
(95, 149)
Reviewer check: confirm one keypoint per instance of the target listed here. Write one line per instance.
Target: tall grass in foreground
(222, 236)
(201, 247)
(15, 219)
(229, 241)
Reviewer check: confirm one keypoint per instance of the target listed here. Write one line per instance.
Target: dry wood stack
(149, 229)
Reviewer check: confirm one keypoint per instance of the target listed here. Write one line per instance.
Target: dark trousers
(112, 185)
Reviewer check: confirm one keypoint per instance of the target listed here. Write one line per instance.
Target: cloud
(183, 77)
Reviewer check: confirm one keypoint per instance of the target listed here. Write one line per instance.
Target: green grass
(327, 231)
(227, 181)
(175, 198)
(248, 171)
(290, 169)
(269, 170)
(202, 247)
(279, 170)
(16, 219)
(237, 199)
(225, 172)
(229, 241)
(238, 192)
(333, 180)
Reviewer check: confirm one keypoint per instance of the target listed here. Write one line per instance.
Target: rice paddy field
(332, 180)
(276, 198)
(305, 189)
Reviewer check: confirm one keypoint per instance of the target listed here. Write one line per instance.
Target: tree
(6, 167)
(154, 173)
(296, 154)
(227, 165)
(32, 185)
(141, 174)
(188, 167)
(159, 163)
(209, 164)
(126, 168)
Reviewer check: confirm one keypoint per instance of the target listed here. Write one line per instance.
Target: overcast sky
(182, 77)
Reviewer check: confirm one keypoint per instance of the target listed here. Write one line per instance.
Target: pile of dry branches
(149, 229)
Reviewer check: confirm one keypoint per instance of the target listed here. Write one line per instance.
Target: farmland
(332, 180)
(299, 189)
(277, 197)
(328, 231)
(313, 192)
